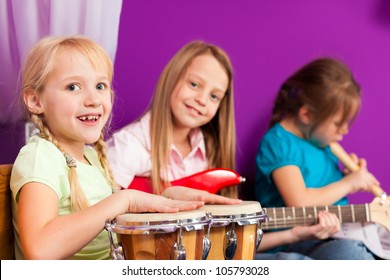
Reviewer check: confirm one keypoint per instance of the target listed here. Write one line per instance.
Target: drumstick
(346, 159)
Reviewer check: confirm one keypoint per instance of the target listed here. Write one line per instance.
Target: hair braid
(100, 147)
(78, 200)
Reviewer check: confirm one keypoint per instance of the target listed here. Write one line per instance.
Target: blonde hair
(325, 86)
(219, 133)
(38, 66)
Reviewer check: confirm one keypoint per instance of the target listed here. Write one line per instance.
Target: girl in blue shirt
(295, 167)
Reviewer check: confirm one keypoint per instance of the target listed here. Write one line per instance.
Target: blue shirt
(278, 148)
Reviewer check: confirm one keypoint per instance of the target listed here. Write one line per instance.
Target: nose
(92, 98)
(201, 98)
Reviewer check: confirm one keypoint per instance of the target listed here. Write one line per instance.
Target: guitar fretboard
(286, 217)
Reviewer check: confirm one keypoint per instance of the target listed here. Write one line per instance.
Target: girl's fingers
(329, 223)
(218, 199)
(362, 163)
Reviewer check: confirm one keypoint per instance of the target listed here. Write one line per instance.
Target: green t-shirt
(41, 161)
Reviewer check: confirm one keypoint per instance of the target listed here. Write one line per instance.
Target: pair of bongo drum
(213, 232)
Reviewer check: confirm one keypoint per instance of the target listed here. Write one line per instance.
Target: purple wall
(266, 41)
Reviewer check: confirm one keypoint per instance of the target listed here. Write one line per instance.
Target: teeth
(90, 118)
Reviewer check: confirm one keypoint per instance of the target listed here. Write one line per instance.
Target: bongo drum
(235, 231)
(160, 236)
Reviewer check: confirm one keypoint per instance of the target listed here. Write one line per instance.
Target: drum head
(247, 212)
(246, 207)
(158, 217)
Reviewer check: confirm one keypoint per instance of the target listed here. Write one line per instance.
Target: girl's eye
(100, 86)
(194, 84)
(214, 97)
(72, 87)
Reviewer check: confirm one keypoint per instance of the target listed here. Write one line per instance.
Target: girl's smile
(195, 110)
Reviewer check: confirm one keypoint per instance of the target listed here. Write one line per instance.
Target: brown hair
(325, 85)
(219, 133)
(38, 66)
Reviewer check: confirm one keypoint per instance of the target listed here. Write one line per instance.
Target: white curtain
(23, 22)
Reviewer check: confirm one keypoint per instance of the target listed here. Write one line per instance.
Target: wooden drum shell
(151, 236)
(159, 246)
(246, 236)
(246, 233)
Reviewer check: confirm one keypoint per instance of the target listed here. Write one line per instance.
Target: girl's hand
(361, 180)
(328, 224)
(145, 202)
(184, 193)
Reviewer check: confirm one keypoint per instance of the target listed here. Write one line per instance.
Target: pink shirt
(128, 151)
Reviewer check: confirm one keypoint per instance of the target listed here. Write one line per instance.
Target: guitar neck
(286, 217)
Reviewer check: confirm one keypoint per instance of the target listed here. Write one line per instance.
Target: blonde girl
(189, 126)
(61, 181)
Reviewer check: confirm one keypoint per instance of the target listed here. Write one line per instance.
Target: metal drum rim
(150, 227)
(240, 219)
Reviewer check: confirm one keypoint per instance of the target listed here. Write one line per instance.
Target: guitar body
(375, 236)
(211, 180)
(141, 184)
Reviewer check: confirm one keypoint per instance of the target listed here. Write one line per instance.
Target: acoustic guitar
(361, 222)
(363, 215)
(378, 211)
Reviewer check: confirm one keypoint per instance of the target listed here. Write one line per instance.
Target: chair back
(6, 228)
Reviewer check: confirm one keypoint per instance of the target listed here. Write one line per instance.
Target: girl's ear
(304, 115)
(32, 102)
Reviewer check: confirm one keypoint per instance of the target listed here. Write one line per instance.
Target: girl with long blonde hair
(62, 187)
(189, 126)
